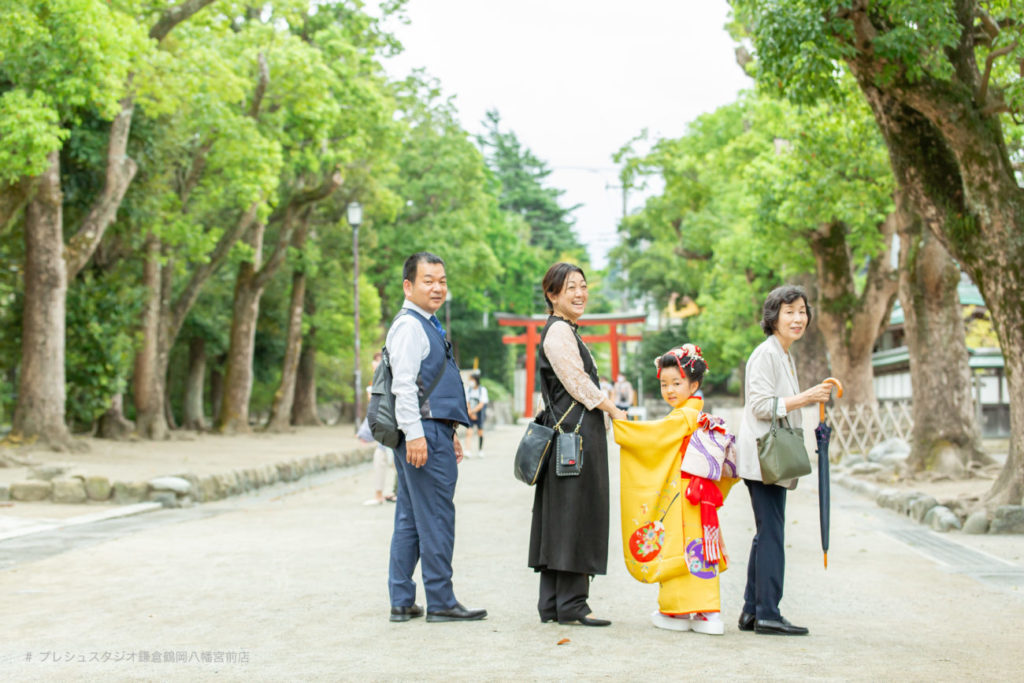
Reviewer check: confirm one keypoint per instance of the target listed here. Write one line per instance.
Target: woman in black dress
(569, 533)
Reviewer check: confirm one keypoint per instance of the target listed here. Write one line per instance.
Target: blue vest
(448, 399)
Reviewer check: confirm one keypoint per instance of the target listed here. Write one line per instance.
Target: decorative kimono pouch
(711, 451)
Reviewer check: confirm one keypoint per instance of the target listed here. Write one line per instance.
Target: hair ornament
(685, 356)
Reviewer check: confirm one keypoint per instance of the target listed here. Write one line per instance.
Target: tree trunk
(217, 387)
(304, 407)
(234, 415)
(113, 424)
(811, 355)
(850, 323)
(945, 435)
(120, 171)
(41, 393)
(172, 423)
(151, 360)
(953, 166)
(194, 417)
(284, 398)
(234, 412)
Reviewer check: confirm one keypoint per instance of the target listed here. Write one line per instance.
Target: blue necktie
(437, 325)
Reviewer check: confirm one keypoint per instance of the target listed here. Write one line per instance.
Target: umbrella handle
(839, 394)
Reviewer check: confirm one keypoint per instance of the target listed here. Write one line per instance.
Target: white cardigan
(770, 373)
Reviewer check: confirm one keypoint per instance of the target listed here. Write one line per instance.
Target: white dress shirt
(408, 345)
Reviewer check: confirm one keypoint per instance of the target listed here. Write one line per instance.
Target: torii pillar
(532, 338)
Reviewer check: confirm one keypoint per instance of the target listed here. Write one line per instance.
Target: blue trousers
(425, 522)
(766, 568)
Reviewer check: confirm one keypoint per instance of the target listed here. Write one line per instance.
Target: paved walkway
(289, 584)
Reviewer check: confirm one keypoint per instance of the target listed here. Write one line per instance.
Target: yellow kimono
(662, 537)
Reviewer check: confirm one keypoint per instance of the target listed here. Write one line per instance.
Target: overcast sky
(577, 79)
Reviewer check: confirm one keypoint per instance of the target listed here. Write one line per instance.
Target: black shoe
(584, 621)
(457, 613)
(746, 621)
(780, 627)
(406, 613)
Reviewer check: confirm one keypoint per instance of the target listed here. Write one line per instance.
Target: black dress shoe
(406, 613)
(779, 627)
(584, 621)
(457, 613)
(746, 621)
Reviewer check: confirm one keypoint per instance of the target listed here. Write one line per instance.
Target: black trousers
(766, 568)
(563, 595)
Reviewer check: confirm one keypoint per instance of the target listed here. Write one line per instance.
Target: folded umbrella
(823, 433)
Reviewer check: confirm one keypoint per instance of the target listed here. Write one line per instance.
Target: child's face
(676, 388)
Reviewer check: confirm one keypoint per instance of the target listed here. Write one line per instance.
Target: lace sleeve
(564, 355)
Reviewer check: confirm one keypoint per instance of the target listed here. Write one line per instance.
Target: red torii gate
(532, 338)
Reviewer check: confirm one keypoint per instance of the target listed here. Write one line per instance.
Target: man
(429, 404)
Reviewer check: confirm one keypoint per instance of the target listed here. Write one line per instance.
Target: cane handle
(839, 394)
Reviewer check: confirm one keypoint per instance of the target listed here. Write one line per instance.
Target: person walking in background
(476, 404)
(623, 392)
(383, 457)
(569, 528)
(771, 375)
(429, 451)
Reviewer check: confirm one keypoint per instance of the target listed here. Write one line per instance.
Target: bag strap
(571, 406)
(580, 421)
(549, 404)
(775, 415)
(386, 359)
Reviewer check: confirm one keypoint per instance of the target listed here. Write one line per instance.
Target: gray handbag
(781, 451)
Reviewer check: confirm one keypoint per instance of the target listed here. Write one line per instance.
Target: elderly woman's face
(572, 300)
(792, 322)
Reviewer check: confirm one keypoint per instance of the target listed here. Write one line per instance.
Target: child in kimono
(675, 474)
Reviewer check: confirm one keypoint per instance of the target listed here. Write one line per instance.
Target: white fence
(857, 429)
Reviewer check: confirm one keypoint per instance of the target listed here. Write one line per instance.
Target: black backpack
(381, 413)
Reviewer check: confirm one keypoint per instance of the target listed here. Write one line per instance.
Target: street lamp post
(355, 217)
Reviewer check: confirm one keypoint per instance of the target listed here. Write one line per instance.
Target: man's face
(430, 289)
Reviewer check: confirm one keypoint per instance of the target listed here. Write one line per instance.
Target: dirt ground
(186, 452)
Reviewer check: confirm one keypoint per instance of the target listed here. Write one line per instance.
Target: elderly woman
(569, 533)
(771, 374)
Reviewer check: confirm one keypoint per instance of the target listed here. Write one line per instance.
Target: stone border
(925, 509)
(179, 490)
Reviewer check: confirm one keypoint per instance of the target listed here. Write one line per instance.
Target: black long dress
(570, 514)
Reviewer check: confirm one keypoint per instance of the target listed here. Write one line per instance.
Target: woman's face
(792, 322)
(676, 388)
(572, 300)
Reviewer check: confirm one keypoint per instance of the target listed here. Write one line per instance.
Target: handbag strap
(549, 405)
(580, 421)
(775, 415)
(571, 406)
